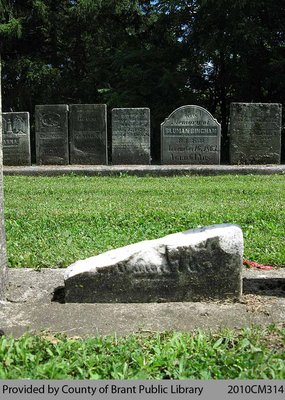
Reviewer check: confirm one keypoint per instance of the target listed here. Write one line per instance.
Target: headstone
(51, 126)
(88, 134)
(16, 138)
(198, 264)
(255, 133)
(190, 135)
(3, 268)
(131, 136)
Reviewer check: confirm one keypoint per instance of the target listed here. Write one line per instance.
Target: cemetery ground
(53, 221)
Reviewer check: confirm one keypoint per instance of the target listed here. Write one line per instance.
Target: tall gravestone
(255, 133)
(51, 126)
(3, 269)
(190, 135)
(16, 138)
(88, 134)
(131, 136)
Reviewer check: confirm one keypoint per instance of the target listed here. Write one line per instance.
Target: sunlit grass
(53, 221)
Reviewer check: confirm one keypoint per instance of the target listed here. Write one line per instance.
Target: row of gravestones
(77, 134)
(189, 134)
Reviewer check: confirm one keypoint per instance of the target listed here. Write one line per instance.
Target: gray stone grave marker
(88, 134)
(16, 138)
(51, 125)
(195, 265)
(255, 133)
(131, 136)
(3, 268)
(190, 135)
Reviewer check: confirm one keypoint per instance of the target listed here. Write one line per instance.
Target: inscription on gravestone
(51, 123)
(3, 269)
(190, 135)
(16, 138)
(88, 133)
(131, 136)
(255, 133)
(193, 265)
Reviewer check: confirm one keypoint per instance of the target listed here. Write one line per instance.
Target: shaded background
(157, 54)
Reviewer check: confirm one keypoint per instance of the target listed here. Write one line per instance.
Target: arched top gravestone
(190, 135)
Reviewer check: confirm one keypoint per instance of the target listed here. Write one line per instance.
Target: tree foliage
(161, 54)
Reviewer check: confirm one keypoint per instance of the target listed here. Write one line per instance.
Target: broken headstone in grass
(199, 264)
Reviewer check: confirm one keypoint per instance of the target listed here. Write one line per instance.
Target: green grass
(248, 354)
(53, 221)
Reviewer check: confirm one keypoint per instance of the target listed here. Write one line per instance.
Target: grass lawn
(53, 221)
(248, 354)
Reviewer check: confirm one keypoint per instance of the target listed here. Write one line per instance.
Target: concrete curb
(144, 170)
(29, 308)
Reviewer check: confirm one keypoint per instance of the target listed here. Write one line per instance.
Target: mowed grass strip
(53, 221)
(253, 353)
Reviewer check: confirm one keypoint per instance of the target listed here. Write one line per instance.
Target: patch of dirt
(255, 303)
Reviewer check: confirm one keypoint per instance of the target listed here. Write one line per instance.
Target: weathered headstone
(198, 264)
(3, 268)
(51, 126)
(16, 138)
(131, 136)
(190, 135)
(255, 133)
(88, 134)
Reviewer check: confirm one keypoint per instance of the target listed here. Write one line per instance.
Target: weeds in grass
(252, 353)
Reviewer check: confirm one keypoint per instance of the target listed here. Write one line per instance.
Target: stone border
(145, 170)
(28, 308)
